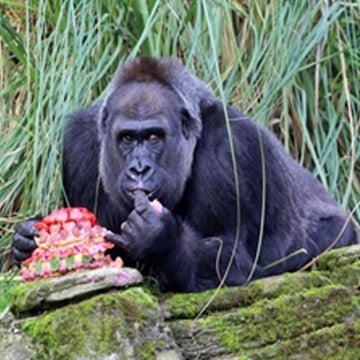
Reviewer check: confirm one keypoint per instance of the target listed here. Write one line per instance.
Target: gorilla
(153, 160)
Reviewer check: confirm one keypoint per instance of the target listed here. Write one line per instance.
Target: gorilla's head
(148, 132)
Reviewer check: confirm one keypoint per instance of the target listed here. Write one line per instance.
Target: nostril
(146, 169)
(139, 168)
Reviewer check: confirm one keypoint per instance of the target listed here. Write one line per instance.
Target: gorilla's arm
(80, 177)
(173, 251)
(159, 240)
(81, 158)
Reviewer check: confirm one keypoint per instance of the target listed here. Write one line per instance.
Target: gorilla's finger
(18, 256)
(27, 228)
(134, 222)
(116, 239)
(150, 216)
(126, 228)
(15, 262)
(141, 202)
(23, 243)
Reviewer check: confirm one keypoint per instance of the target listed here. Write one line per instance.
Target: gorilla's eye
(153, 138)
(127, 138)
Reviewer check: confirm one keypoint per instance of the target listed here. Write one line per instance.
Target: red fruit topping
(76, 214)
(69, 240)
(41, 226)
(54, 228)
(61, 215)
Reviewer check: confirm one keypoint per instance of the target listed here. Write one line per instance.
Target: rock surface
(53, 292)
(303, 315)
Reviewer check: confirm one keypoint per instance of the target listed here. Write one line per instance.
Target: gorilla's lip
(133, 191)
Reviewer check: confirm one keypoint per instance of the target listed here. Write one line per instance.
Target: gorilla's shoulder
(81, 156)
(80, 121)
(218, 120)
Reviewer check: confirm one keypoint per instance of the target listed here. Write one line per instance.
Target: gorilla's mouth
(149, 193)
(138, 190)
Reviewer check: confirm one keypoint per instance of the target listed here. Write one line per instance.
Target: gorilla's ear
(103, 118)
(191, 125)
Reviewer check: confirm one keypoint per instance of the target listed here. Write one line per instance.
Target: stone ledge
(307, 315)
(30, 297)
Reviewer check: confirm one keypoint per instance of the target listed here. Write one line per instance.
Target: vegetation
(292, 66)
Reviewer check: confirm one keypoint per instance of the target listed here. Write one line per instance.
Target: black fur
(189, 244)
(299, 214)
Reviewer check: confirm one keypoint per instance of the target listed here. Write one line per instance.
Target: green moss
(149, 351)
(337, 258)
(348, 275)
(103, 325)
(283, 318)
(187, 306)
(26, 294)
(338, 341)
(7, 284)
(35, 297)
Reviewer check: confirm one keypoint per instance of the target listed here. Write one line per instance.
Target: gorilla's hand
(148, 233)
(23, 243)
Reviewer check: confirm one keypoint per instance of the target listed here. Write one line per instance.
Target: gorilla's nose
(140, 169)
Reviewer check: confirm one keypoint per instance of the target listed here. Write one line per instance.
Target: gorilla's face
(147, 144)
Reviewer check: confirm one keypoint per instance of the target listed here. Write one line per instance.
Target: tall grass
(292, 66)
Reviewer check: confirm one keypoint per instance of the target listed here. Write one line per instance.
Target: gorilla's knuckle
(20, 227)
(165, 213)
(127, 230)
(19, 255)
(15, 260)
(17, 238)
(27, 228)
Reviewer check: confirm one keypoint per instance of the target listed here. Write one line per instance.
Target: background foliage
(291, 65)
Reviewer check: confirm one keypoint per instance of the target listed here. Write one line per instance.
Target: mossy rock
(341, 265)
(340, 341)
(189, 306)
(281, 320)
(125, 324)
(338, 258)
(30, 298)
(304, 315)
